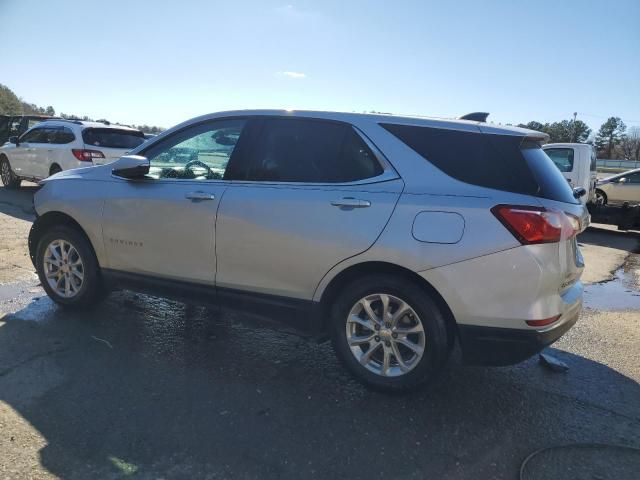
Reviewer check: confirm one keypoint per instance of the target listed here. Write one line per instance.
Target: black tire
(55, 168)
(91, 290)
(433, 321)
(9, 179)
(604, 197)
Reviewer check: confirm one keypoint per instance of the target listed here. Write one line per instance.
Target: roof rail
(476, 117)
(70, 120)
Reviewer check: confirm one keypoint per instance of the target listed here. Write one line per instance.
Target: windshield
(112, 138)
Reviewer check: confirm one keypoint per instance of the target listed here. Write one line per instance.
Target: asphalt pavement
(142, 387)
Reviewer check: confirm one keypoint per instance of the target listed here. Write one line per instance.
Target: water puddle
(621, 293)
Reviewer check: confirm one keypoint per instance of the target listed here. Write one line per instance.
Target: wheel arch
(46, 221)
(53, 166)
(353, 272)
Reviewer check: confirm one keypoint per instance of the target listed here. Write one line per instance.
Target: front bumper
(493, 346)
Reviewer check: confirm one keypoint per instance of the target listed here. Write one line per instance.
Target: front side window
(311, 151)
(594, 160)
(562, 157)
(633, 178)
(37, 135)
(201, 152)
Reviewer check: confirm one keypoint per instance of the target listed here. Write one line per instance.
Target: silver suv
(398, 238)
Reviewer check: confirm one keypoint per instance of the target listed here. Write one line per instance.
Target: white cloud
(296, 75)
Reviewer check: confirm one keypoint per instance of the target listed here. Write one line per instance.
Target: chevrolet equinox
(398, 238)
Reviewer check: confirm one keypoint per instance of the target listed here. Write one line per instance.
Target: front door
(316, 194)
(24, 157)
(164, 225)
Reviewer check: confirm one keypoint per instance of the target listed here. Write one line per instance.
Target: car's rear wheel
(9, 179)
(68, 268)
(389, 333)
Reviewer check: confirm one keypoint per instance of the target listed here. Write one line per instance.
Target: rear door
(113, 143)
(316, 193)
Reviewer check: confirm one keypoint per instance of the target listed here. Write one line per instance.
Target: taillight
(532, 225)
(86, 155)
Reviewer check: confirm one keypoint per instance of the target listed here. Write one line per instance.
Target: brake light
(530, 225)
(543, 322)
(86, 155)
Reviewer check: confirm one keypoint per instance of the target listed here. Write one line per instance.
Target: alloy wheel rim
(6, 174)
(385, 335)
(63, 268)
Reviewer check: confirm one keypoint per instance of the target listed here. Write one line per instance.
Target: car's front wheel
(9, 179)
(601, 197)
(389, 333)
(68, 268)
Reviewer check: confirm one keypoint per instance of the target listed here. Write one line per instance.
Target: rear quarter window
(112, 138)
(501, 162)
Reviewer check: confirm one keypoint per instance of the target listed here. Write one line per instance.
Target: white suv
(55, 145)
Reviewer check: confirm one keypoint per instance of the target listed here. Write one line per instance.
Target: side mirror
(130, 166)
(579, 192)
(14, 140)
(623, 180)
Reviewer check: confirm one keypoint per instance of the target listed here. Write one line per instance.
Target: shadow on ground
(18, 203)
(160, 389)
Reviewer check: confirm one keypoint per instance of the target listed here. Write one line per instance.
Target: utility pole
(573, 136)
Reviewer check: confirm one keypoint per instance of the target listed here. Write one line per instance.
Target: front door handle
(198, 196)
(350, 202)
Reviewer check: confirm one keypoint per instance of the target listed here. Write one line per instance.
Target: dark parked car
(16, 125)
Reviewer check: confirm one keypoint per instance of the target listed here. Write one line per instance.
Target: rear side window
(112, 138)
(311, 151)
(59, 135)
(562, 157)
(493, 161)
(552, 183)
(476, 158)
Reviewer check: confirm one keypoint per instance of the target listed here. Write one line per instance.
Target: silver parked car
(621, 188)
(399, 238)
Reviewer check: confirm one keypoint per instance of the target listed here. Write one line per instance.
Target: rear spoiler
(475, 117)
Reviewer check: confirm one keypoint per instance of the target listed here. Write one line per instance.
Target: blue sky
(162, 62)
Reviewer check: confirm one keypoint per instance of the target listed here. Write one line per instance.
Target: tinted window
(201, 152)
(562, 157)
(60, 135)
(37, 135)
(112, 138)
(633, 178)
(493, 161)
(552, 183)
(289, 150)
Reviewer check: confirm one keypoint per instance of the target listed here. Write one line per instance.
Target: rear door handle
(350, 202)
(198, 196)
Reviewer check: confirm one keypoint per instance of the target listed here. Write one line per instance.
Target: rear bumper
(493, 346)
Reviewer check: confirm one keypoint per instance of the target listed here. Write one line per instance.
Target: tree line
(11, 104)
(612, 140)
